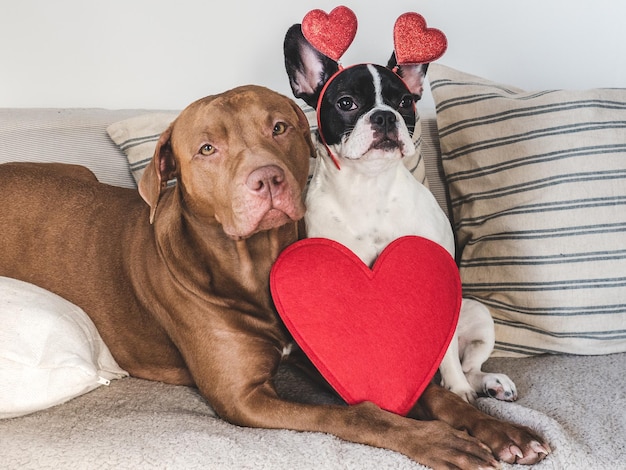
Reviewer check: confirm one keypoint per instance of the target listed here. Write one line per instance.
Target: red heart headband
(332, 33)
(414, 42)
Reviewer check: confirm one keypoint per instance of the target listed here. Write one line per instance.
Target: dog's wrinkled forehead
(231, 114)
(223, 107)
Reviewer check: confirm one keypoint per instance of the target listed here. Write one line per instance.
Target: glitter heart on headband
(332, 33)
(414, 43)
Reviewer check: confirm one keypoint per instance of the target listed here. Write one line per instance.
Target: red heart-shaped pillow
(332, 33)
(376, 334)
(415, 43)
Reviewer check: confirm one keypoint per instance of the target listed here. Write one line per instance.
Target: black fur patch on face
(352, 93)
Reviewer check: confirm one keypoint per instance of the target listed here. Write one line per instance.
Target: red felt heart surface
(415, 43)
(375, 334)
(331, 33)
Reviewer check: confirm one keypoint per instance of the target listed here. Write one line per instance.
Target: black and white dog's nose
(383, 121)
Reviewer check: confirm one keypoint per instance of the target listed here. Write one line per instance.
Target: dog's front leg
(508, 442)
(235, 373)
(431, 443)
(452, 376)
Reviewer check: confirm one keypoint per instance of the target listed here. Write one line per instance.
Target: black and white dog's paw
(461, 387)
(467, 394)
(499, 386)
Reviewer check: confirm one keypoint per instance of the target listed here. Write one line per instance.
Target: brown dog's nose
(267, 180)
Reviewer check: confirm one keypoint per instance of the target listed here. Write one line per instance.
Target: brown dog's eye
(279, 128)
(207, 149)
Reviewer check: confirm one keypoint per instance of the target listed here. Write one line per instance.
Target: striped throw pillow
(537, 186)
(137, 137)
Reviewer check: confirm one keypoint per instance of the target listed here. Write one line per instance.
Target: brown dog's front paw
(442, 447)
(512, 443)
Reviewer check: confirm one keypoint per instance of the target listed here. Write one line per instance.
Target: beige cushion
(69, 135)
(537, 183)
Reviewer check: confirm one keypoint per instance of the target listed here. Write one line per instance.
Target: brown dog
(185, 299)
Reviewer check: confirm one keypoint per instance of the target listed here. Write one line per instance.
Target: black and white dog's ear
(307, 68)
(412, 74)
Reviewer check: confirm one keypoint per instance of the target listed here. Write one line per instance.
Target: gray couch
(577, 402)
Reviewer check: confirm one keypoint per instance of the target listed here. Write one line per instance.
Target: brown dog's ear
(159, 171)
(412, 74)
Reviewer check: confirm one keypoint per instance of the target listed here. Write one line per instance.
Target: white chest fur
(366, 210)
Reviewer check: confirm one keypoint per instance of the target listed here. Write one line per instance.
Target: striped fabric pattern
(537, 188)
(137, 138)
(66, 135)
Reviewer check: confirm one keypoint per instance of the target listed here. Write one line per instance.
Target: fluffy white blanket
(578, 403)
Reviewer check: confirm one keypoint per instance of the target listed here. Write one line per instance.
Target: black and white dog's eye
(407, 101)
(346, 104)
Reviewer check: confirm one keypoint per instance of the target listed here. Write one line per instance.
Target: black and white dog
(364, 197)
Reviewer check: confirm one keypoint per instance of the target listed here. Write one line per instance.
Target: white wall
(160, 54)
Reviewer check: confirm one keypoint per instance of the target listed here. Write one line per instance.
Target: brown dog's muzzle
(270, 196)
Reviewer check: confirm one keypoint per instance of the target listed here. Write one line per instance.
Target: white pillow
(50, 350)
